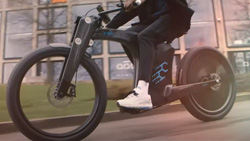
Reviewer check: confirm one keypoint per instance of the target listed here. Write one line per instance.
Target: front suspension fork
(85, 29)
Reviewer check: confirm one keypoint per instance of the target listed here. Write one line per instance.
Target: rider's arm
(121, 18)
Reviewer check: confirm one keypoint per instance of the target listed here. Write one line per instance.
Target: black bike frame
(88, 28)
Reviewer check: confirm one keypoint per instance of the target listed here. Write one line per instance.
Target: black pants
(162, 29)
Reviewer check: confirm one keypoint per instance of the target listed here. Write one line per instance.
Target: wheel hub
(60, 102)
(216, 77)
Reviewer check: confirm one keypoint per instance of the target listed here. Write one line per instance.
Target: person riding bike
(160, 21)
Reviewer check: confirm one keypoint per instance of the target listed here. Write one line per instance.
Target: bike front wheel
(38, 114)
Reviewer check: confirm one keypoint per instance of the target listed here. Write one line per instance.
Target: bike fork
(85, 29)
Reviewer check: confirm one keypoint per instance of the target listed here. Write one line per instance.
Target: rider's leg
(142, 87)
(159, 31)
(135, 28)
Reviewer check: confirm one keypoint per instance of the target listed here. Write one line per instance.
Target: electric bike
(205, 82)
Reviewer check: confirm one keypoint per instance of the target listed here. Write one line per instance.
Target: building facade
(30, 24)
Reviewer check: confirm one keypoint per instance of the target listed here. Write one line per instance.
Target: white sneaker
(136, 100)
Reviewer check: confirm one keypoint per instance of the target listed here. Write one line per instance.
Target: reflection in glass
(203, 10)
(120, 68)
(18, 45)
(240, 62)
(52, 18)
(237, 16)
(115, 47)
(82, 74)
(238, 33)
(18, 33)
(19, 22)
(236, 9)
(18, 3)
(54, 38)
(175, 44)
(201, 34)
(8, 67)
(81, 10)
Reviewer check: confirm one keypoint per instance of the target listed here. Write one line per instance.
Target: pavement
(8, 127)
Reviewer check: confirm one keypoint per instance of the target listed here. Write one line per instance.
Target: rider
(160, 21)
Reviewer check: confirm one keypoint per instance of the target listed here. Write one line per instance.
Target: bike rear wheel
(38, 114)
(203, 64)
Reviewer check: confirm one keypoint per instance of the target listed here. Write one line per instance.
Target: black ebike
(205, 83)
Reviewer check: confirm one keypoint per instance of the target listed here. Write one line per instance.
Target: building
(25, 24)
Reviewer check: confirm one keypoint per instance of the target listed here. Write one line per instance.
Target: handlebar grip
(105, 18)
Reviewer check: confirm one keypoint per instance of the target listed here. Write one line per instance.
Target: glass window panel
(237, 16)
(236, 9)
(175, 44)
(82, 74)
(44, 18)
(240, 61)
(203, 10)
(1, 4)
(7, 69)
(238, 33)
(18, 39)
(120, 68)
(52, 18)
(19, 21)
(205, 37)
(96, 48)
(99, 62)
(81, 10)
(202, 21)
(41, 41)
(17, 45)
(42, 69)
(115, 47)
(60, 38)
(18, 3)
(55, 38)
(44, 1)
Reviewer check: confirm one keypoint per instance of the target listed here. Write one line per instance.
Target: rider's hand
(129, 4)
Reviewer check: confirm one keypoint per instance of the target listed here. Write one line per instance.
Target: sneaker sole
(134, 108)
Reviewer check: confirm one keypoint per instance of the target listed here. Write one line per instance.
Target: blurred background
(29, 24)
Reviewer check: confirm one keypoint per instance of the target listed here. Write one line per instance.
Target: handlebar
(104, 14)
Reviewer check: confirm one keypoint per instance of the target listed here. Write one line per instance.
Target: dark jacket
(178, 9)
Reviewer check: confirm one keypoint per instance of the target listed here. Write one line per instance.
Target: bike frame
(89, 28)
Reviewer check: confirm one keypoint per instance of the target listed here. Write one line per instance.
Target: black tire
(211, 104)
(16, 110)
